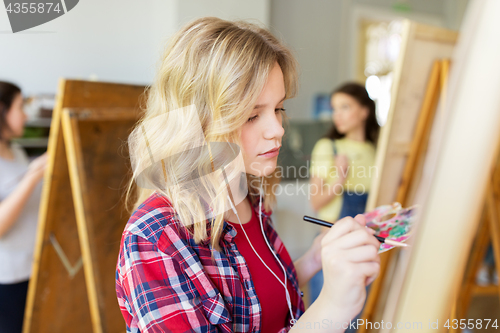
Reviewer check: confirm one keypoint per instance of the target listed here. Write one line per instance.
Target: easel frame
(62, 298)
(404, 137)
(425, 287)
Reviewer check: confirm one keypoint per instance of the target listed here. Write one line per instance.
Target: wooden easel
(412, 171)
(402, 144)
(451, 190)
(82, 213)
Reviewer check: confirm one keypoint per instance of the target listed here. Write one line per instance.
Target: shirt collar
(229, 232)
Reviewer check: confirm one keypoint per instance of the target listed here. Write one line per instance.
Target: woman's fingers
(356, 238)
(370, 270)
(363, 253)
(341, 228)
(360, 218)
(350, 261)
(342, 160)
(371, 231)
(361, 273)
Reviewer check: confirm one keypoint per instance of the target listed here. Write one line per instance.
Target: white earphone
(269, 246)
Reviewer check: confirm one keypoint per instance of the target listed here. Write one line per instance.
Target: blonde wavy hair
(221, 68)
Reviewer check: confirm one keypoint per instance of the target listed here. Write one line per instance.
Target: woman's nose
(274, 128)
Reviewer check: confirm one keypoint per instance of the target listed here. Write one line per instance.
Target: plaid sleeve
(155, 294)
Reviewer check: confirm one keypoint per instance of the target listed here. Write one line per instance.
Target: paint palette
(391, 222)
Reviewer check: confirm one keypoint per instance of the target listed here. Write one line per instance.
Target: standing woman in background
(20, 192)
(344, 161)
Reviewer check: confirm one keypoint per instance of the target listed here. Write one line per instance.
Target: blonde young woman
(200, 253)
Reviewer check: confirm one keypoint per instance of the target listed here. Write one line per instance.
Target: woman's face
(348, 114)
(15, 118)
(263, 130)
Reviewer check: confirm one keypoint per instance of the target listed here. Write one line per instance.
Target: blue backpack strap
(334, 148)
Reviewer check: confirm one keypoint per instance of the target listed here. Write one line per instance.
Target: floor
(485, 307)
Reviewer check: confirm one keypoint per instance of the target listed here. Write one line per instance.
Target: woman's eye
(252, 119)
(275, 110)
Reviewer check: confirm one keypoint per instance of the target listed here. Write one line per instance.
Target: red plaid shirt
(165, 282)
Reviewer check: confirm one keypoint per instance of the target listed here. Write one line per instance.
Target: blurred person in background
(342, 163)
(20, 192)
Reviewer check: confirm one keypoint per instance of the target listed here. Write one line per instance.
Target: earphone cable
(274, 254)
(251, 245)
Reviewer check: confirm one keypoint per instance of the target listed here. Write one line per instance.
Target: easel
(82, 212)
(429, 275)
(488, 231)
(402, 145)
(411, 174)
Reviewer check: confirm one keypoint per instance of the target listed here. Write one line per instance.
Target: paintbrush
(329, 224)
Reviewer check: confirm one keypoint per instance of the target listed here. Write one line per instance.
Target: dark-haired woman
(20, 192)
(343, 162)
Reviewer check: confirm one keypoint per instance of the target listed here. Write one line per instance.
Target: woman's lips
(272, 153)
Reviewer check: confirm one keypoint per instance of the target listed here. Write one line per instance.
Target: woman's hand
(316, 248)
(12, 206)
(36, 169)
(350, 259)
(310, 263)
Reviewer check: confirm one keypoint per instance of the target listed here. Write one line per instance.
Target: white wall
(226, 9)
(115, 40)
